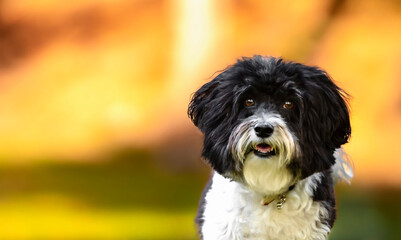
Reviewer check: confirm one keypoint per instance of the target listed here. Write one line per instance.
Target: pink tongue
(264, 148)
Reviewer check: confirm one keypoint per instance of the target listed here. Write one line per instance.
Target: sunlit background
(95, 142)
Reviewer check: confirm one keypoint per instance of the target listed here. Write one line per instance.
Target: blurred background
(95, 142)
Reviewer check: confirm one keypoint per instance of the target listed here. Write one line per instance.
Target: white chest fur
(233, 211)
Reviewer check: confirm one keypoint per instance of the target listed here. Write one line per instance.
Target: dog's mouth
(264, 150)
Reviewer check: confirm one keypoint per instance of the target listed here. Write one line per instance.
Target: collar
(281, 198)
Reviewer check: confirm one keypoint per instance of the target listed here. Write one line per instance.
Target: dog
(273, 131)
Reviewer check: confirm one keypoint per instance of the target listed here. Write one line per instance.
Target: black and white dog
(273, 132)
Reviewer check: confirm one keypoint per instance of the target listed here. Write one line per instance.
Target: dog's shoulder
(324, 193)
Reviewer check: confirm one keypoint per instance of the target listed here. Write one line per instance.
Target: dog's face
(270, 121)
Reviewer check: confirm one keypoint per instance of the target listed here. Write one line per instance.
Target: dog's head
(268, 122)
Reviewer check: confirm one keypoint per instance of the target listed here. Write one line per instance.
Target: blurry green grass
(130, 197)
(368, 214)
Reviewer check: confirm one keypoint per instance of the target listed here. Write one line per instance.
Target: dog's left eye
(249, 102)
(288, 105)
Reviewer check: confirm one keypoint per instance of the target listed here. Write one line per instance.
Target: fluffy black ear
(211, 106)
(326, 124)
(201, 104)
(211, 110)
(328, 109)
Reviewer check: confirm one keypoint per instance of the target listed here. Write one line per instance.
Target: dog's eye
(249, 102)
(288, 105)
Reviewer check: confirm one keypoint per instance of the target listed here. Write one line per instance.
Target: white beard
(267, 176)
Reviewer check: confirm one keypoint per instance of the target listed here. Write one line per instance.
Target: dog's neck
(281, 198)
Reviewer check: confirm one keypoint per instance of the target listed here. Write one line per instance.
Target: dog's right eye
(249, 102)
(288, 105)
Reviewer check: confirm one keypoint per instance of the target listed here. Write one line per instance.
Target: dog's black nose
(264, 131)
